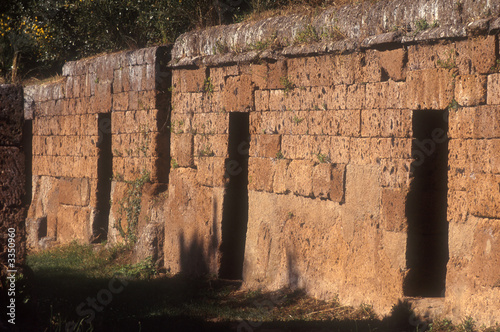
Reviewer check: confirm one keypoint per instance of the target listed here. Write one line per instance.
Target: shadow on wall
(196, 257)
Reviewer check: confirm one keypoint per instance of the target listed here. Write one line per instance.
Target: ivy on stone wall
(129, 208)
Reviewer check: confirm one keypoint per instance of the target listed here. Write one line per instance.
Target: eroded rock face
(353, 22)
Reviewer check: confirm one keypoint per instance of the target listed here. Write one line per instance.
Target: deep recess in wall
(235, 215)
(426, 207)
(104, 174)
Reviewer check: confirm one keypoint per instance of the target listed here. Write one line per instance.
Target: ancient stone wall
(371, 161)
(94, 129)
(360, 162)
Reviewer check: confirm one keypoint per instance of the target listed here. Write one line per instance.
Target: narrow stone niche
(427, 246)
(104, 175)
(235, 208)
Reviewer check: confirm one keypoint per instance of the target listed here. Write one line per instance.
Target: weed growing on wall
(287, 84)
(449, 63)
(129, 207)
(306, 36)
(208, 87)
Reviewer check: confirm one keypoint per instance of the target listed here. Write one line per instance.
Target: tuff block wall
(334, 184)
(95, 128)
(363, 168)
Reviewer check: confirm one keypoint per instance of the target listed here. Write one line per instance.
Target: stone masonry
(364, 167)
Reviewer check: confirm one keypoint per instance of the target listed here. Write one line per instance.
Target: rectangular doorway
(104, 174)
(426, 207)
(235, 207)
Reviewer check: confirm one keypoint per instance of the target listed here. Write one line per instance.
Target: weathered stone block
(395, 173)
(120, 101)
(260, 174)
(300, 176)
(470, 90)
(328, 181)
(211, 172)
(356, 94)
(310, 71)
(277, 71)
(238, 93)
(266, 146)
(425, 56)
(396, 95)
(281, 176)
(393, 207)
(182, 149)
(430, 89)
(204, 123)
(262, 100)
(371, 70)
(493, 89)
(337, 98)
(392, 64)
(74, 191)
(485, 199)
(386, 123)
(259, 75)
(211, 145)
(487, 122)
(102, 103)
(73, 224)
(458, 203)
(347, 69)
(336, 148)
(192, 80)
(476, 55)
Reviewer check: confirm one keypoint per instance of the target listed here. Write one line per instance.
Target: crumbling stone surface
(361, 24)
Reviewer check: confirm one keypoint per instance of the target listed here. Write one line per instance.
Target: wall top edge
(343, 29)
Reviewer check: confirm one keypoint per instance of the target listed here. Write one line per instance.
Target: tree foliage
(37, 36)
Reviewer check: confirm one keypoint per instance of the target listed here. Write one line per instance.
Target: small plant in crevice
(221, 48)
(449, 63)
(453, 105)
(323, 158)
(287, 84)
(208, 87)
(297, 120)
(467, 325)
(333, 34)
(290, 214)
(143, 145)
(421, 25)
(117, 153)
(206, 151)
(129, 208)
(174, 163)
(496, 67)
(307, 35)
(279, 155)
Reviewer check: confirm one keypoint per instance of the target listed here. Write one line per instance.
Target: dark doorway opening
(104, 175)
(427, 246)
(235, 208)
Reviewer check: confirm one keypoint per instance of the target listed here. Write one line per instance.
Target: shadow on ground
(67, 302)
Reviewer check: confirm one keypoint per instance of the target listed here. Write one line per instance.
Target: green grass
(65, 277)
